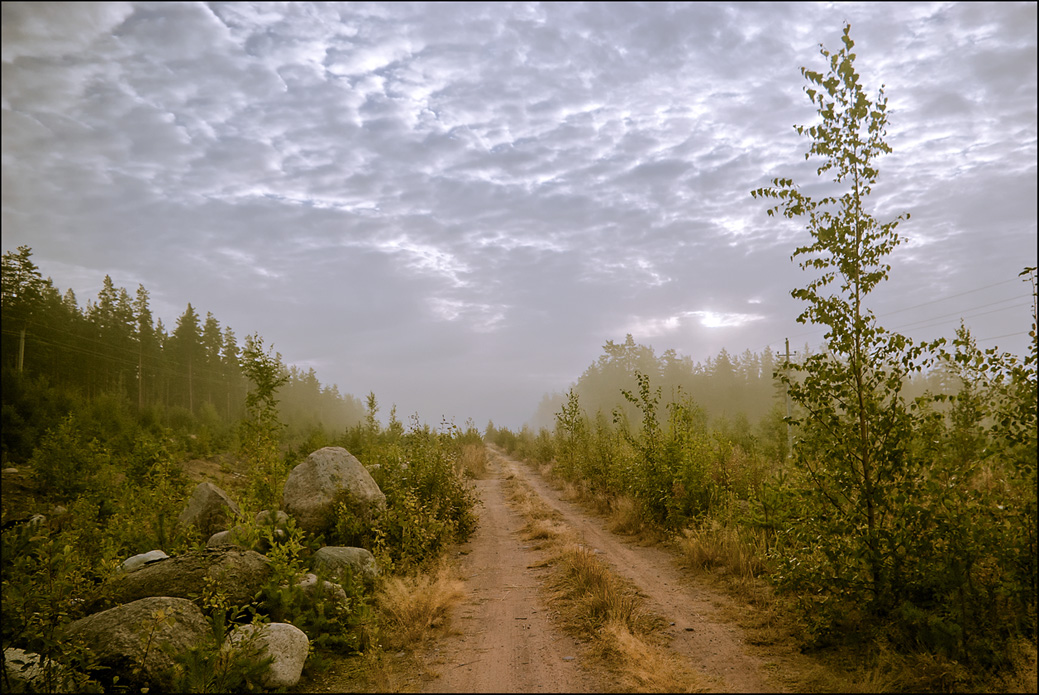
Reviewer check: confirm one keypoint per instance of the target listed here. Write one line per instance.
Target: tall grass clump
(411, 606)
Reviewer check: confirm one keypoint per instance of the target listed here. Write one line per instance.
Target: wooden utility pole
(21, 349)
(140, 376)
(789, 435)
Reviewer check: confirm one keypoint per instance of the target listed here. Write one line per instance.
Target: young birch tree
(262, 431)
(855, 430)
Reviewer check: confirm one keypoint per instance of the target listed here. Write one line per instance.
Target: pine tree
(147, 346)
(186, 348)
(20, 296)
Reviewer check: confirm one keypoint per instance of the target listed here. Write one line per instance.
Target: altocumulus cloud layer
(455, 205)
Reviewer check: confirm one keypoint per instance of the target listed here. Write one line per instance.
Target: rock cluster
(151, 611)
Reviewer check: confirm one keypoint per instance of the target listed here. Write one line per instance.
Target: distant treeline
(733, 390)
(115, 347)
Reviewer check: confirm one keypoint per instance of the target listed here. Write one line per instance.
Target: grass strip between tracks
(600, 608)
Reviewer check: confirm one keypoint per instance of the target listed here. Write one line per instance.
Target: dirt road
(506, 641)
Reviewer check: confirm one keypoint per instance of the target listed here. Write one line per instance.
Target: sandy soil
(504, 639)
(507, 642)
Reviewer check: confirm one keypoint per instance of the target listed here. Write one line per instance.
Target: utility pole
(789, 435)
(140, 375)
(21, 349)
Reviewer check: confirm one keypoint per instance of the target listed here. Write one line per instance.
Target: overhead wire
(933, 321)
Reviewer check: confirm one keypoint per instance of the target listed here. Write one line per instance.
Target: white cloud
(479, 316)
(427, 258)
(55, 29)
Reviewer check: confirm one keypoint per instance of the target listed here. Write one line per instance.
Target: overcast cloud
(456, 205)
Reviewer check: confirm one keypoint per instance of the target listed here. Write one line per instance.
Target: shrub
(428, 503)
(65, 460)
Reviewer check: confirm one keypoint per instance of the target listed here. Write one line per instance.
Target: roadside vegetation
(892, 514)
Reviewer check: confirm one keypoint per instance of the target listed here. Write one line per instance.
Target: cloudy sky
(456, 205)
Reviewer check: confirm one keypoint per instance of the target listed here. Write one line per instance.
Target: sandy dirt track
(505, 640)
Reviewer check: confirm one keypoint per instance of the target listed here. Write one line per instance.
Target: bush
(47, 583)
(328, 623)
(428, 503)
(65, 461)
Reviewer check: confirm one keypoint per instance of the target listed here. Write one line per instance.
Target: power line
(951, 296)
(943, 318)
(958, 314)
(997, 337)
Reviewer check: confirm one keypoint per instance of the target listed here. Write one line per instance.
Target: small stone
(138, 561)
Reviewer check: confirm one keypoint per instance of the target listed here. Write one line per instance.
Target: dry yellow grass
(644, 667)
(411, 610)
(410, 607)
(473, 461)
(717, 546)
(601, 595)
(599, 606)
(548, 531)
(627, 517)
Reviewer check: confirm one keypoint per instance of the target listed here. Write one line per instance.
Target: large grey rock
(239, 573)
(313, 487)
(146, 634)
(209, 509)
(26, 672)
(333, 561)
(286, 644)
(24, 669)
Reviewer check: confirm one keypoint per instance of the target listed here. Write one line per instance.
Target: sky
(454, 206)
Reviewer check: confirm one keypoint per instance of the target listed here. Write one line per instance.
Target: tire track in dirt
(710, 645)
(503, 638)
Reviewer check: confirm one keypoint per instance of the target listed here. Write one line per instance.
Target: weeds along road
(504, 638)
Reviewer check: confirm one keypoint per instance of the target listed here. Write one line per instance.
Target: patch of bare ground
(224, 470)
